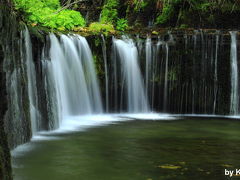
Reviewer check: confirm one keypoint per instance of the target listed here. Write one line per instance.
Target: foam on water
(22, 149)
(78, 123)
(149, 116)
(82, 123)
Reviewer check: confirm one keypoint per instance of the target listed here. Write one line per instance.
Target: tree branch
(68, 4)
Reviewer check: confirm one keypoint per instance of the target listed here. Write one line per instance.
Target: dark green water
(186, 149)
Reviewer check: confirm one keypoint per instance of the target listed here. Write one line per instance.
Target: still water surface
(190, 148)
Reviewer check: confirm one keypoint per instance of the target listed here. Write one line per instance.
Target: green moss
(97, 28)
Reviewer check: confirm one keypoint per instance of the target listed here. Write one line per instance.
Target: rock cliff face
(10, 65)
(5, 162)
(16, 118)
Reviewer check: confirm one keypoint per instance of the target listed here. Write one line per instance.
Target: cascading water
(191, 78)
(156, 70)
(53, 108)
(151, 58)
(73, 71)
(104, 49)
(166, 73)
(186, 80)
(148, 50)
(132, 79)
(234, 103)
(32, 87)
(90, 75)
(166, 80)
(216, 73)
(23, 116)
(114, 81)
(70, 67)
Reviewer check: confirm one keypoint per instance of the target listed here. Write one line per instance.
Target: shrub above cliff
(50, 14)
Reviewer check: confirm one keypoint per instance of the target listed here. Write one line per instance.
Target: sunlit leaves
(122, 24)
(47, 13)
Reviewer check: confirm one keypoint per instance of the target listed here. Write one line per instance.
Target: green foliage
(47, 13)
(97, 28)
(167, 13)
(122, 24)
(109, 12)
(139, 5)
(203, 8)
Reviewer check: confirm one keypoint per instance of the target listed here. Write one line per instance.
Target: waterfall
(115, 77)
(165, 99)
(216, 73)
(23, 117)
(162, 74)
(174, 73)
(148, 50)
(90, 74)
(104, 49)
(72, 87)
(32, 87)
(139, 44)
(234, 75)
(128, 56)
(53, 108)
(73, 73)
